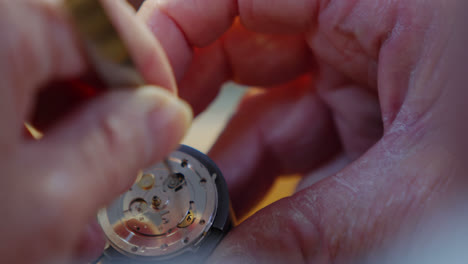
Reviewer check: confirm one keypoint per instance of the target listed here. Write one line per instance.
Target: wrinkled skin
(363, 93)
(367, 95)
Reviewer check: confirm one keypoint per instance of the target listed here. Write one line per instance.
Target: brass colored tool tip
(106, 49)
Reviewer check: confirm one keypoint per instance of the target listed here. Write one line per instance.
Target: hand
(363, 92)
(51, 189)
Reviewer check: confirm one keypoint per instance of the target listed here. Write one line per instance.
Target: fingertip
(145, 49)
(179, 108)
(172, 118)
(162, 118)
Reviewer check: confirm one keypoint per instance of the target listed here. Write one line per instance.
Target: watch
(177, 211)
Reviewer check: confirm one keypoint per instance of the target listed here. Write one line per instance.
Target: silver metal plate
(163, 214)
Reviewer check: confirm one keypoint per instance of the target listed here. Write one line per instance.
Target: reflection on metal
(147, 181)
(163, 211)
(188, 220)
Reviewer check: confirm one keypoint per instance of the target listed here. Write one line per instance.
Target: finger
(357, 117)
(37, 44)
(203, 21)
(387, 40)
(95, 154)
(271, 60)
(40, 42)
(200, 87)
(349, 216)
(146, 51)
(285, 130)
(283, 54)
(262, 59)
(133, 129)
(147, 55)
(356, 114)
(355, 109)
(199, 22)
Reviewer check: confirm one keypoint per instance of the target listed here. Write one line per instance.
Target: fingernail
(169, 118)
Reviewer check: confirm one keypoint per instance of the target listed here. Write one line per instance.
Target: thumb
(279, 233)
(104, 146)
(95, 154)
